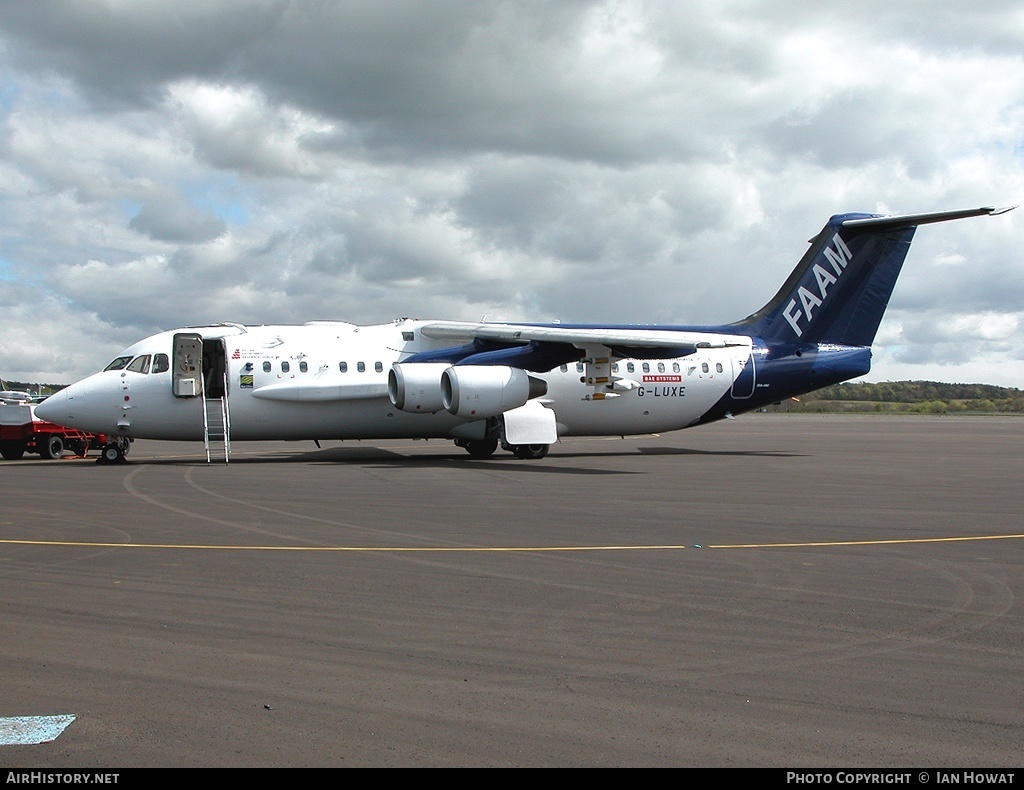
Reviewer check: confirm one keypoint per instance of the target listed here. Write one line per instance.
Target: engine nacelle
(487, 390)
(416, 386)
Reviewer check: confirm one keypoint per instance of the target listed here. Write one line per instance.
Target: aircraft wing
(581, 337)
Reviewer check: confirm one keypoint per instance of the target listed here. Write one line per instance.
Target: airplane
(520, 386)
(16, 396)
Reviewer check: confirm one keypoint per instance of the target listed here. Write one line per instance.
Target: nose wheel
(114, 452)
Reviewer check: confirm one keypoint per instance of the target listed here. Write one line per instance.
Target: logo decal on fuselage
(839, 259)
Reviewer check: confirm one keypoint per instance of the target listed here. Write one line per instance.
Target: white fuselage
(329, 380)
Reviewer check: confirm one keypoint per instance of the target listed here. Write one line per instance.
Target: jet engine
(416, 386)
(487, 390)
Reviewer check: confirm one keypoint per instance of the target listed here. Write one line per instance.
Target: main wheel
(481, 448)
(50, 447)
(527, 451)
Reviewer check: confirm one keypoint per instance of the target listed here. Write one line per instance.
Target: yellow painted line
(331, 548)
(478, 549)
(864, 542)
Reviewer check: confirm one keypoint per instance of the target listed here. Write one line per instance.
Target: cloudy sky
(279, 161)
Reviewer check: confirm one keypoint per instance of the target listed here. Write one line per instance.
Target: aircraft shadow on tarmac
(382, 457)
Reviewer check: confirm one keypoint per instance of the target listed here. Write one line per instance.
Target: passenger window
(303, 367)
(615, 367)
(119, 364)
(378, 366)
(563, 367)
(140, 364)
(675, 367)
(630, 367)
(718, 367)
(161, 362)
(343, 367)
(646, 367)
(266, 367)
(704, 367)
(579, 367)
(661, 367)
(285, 367)
(361, 367)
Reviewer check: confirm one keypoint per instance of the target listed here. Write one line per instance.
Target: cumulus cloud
(628, 161)
(176, 221)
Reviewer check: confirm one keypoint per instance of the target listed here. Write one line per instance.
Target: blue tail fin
(839, 290)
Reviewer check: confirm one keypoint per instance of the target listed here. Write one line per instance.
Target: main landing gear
(530, 451)
(480, 448)
(484, 448)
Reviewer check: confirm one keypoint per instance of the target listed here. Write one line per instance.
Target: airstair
(217, 426)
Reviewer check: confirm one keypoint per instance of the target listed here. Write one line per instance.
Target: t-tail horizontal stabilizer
(840, 289)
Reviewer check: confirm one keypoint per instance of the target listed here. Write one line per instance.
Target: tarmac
(774, 591)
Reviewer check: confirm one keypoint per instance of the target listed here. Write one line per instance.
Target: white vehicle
(485, 385)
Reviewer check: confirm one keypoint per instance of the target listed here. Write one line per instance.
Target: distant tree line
(928, 397)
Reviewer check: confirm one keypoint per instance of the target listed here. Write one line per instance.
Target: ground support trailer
(21, 432)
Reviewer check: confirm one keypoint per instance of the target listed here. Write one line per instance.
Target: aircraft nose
(71, 406)
(92, 404)
(54, 409)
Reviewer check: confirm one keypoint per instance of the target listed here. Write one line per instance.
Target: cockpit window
(119, 364)
(140, 364)
(161, 362)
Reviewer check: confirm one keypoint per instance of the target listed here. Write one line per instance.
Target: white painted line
(27, 730)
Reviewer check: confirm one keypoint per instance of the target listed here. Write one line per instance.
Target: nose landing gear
(114, 452)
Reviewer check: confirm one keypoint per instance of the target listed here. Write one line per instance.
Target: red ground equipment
(21, 432)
